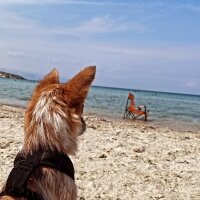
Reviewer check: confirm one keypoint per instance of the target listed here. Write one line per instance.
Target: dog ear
(77, 87)
(51, 78)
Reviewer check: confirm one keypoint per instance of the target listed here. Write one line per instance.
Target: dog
(53, 122)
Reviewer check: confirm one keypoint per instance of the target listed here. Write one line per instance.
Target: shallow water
(166, 109)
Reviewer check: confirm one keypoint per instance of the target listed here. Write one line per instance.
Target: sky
(139, 44)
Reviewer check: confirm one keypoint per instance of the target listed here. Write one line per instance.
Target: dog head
(53, 117)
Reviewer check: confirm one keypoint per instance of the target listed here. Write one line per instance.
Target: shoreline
(181, 127)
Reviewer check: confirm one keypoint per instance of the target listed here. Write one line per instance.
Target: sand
(120, 160)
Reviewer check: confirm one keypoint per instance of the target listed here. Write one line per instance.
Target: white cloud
(103, 24)
(27, 2)
(192, 83)
(30, 38)
(80, 2)
(189, 7)
(15, 26)
(136, 4)
(20, 54)
(170, 53)
(9, 21)
(15, 53)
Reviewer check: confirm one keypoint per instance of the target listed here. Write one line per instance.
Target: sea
(176, 111)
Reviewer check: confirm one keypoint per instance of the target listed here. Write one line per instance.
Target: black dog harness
(16, 184)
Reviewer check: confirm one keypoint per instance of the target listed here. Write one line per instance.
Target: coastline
(149, 123)
(119, 159)
(11, 76)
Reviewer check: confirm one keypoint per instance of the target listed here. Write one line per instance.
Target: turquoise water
(174, 110)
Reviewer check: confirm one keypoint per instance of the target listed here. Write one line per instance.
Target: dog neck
(51, 125)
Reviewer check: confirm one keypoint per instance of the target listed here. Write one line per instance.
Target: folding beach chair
(131, 111)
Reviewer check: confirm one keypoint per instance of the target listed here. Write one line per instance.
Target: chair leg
(126, 110)
(132, 115)
(128, 114)
(125, 114)
(145, 110)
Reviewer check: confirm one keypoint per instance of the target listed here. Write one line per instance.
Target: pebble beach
(120, 159)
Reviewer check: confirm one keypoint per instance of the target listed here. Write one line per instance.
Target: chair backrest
(131, 98)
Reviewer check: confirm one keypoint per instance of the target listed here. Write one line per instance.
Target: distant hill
(11, 76)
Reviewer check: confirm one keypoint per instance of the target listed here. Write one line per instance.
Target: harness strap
(59, 161)
(25, 165)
